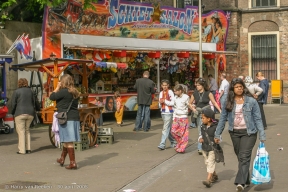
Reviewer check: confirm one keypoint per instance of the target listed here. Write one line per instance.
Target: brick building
(258, 32)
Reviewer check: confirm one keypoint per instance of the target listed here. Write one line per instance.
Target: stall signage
(122, 14)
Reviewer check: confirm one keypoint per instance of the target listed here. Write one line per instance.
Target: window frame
(250, 2)
(192, 1)
(250, 50)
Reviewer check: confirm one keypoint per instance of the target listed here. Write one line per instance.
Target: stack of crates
(84, 142)
(105, 135)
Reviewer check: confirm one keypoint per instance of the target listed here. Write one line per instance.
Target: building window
(264, 3)
(264, 55)
(183, 3)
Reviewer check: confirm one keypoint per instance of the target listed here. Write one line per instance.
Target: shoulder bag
(219, 155)
(62, 116)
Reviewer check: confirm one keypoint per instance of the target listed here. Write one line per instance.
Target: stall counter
(129, 100)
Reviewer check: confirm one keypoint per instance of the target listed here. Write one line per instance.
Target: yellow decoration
(157, 14)
(114, 70)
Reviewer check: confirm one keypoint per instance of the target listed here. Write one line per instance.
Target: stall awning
(48, 63)
(120, 43)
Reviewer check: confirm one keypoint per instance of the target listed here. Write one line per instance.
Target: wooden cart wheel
(89, 125)
(51, 135)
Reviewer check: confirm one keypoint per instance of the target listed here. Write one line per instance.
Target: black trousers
(262, 115)
(243, 146)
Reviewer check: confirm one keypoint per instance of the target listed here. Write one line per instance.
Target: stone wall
(7, 37)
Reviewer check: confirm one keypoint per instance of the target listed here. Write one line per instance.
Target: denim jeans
(199, 123)
(143, 116)
(166, 132)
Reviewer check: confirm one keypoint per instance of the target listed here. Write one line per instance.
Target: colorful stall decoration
(114, 18)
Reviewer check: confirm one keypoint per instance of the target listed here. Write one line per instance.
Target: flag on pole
(23, 46)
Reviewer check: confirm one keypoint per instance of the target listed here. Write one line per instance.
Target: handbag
(62, 116)
(35, 120)
(261, 168)
(218, 151)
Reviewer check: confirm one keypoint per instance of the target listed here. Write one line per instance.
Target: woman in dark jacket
(64, 94)
(23, 111)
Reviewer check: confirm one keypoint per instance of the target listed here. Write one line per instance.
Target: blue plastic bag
(261, 170)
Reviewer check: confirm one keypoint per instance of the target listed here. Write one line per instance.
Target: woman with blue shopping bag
(244, 120)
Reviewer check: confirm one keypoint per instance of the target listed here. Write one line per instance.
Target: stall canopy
(133, 44)
(48, 63)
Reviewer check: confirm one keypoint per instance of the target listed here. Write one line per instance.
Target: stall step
(105, 131)
(81, 146)
(105, 139)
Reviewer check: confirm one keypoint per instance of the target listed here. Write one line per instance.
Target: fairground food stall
(123, 39)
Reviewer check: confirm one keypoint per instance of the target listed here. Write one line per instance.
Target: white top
(239, 122)
(181, 106)
(224, 86)
(254, 88)
(167, 102)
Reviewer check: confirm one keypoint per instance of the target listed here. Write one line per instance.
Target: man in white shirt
(224, 89)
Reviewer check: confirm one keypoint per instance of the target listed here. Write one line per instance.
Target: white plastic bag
(261, 170)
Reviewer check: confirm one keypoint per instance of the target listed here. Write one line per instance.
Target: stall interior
(115, 70)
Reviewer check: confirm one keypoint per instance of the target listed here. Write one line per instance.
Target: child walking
(208, 127)
(119, 109)
(166, 101)
(180, 127)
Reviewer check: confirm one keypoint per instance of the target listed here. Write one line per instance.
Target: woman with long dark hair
(244, 119)
(64, 94)
(202, 96)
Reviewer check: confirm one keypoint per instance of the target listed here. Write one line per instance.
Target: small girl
(180, 127)
(119, 109)
(208, 125)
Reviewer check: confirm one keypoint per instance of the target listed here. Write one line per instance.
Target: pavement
(133, 161)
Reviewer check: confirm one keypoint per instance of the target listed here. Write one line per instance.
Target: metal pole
(158, 78)
(200, 39)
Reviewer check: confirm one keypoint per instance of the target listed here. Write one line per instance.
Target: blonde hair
(68, 82)
(146, 73)
(259, 74)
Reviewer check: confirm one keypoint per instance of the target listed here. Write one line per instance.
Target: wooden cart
(54, 68)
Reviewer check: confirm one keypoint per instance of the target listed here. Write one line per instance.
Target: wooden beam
(47, 70)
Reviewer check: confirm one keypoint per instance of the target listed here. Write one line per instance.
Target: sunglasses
(236, 80)
(202, 80)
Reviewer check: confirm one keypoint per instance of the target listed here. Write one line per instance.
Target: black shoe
(20, 153)
(147, 130)
(28, 151)
(122, 123)
(136, 130)
(199, 152)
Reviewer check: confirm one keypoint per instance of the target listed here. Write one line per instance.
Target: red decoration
(183, 55)
(209, 56)
(154, 54)
(119, 53)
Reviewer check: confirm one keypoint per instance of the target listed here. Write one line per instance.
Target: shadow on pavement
(14, 140)
(226, 174)
(132, 135)
(44, 148)
(96, 159)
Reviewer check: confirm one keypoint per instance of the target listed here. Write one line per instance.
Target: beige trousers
(23, 129)
(209, 160)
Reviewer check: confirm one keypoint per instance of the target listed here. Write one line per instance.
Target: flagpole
(13, 45)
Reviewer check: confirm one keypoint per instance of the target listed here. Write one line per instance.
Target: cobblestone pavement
(133, 161)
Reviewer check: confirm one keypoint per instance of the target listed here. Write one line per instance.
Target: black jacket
(23, 102)
(145, 89)
(211, 133)
(63, 99)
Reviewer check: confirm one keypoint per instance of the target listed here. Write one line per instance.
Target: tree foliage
(31, 10)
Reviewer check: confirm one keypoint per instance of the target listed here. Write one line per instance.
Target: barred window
(264, 3)
(264, 55)
(183, 3)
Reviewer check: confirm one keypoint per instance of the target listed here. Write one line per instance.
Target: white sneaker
(239, 188)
